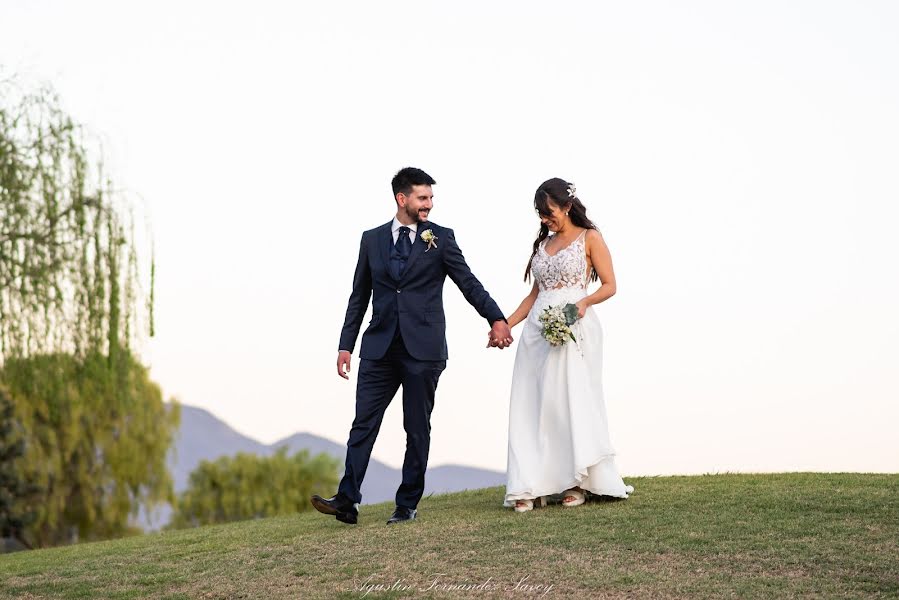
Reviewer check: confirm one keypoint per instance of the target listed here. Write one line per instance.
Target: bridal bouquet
(557, 321)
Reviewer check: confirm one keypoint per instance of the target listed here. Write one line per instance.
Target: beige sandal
(524, 505)
(577, 497)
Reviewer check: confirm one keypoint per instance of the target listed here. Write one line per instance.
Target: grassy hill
(741, 536)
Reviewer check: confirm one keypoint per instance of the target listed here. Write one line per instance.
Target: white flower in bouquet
(557, 321)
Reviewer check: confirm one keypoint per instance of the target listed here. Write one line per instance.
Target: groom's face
(418, 203)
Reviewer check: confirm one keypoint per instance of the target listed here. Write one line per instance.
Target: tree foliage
(248, 486)
(95, 428)
(97, 443)
(14, 514)
(68, 270)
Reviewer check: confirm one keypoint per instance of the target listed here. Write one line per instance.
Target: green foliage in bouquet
(570, 311)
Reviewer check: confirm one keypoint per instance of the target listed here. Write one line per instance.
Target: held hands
(499, 336)
(343, 364)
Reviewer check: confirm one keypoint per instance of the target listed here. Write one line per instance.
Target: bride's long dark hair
(556, 189)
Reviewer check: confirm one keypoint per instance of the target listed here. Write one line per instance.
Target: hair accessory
(572, 191)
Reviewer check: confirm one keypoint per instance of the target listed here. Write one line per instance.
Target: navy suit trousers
(378, 383)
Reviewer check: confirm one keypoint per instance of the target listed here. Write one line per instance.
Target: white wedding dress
(558, 432)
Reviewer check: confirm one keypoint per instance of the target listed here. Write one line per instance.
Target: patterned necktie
(402, 249)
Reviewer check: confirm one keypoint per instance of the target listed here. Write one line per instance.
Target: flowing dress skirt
(558, 431)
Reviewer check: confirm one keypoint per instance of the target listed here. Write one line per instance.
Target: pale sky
(740, 159)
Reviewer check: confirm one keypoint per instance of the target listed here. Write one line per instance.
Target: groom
(402, 267)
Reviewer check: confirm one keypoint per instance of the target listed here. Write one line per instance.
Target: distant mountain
(380, 481)
(203, 436)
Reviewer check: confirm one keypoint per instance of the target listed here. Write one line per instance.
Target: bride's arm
(521, 313)
(601, 260)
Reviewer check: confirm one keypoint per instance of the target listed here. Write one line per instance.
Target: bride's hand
(581, 308)
(491, 341)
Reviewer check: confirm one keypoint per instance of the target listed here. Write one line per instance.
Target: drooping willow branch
(69, 268)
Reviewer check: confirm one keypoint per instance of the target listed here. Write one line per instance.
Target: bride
(558, 432)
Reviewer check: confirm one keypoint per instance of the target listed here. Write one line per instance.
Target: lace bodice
(566, 268)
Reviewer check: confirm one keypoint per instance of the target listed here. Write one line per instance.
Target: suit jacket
(414, 303)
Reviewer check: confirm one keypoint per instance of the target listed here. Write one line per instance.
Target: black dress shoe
(340, 506)
(402, 514)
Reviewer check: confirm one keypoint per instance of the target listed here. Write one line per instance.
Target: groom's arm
(358, 302)
(468, 284)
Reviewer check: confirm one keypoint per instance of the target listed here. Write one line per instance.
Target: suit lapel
(418, 246)
(385, 240)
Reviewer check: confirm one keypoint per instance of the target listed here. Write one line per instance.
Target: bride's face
(555, 218)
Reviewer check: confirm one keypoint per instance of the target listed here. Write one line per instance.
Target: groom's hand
(500, 335)
(343, 364)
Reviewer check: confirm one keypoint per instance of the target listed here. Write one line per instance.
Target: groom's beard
(417, 216)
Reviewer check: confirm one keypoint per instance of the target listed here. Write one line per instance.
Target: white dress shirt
(395, 230)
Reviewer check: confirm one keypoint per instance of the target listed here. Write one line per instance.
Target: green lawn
(738, 536)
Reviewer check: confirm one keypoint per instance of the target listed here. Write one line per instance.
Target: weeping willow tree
(71, 309)
(14, 517)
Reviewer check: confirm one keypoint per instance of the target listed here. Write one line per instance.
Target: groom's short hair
(405, 178)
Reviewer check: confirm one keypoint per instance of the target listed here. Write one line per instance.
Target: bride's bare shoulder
(594, 239)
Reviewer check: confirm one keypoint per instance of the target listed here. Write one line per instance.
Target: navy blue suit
(404, 344)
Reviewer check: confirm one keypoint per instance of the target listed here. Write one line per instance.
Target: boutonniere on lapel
(428, 237)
